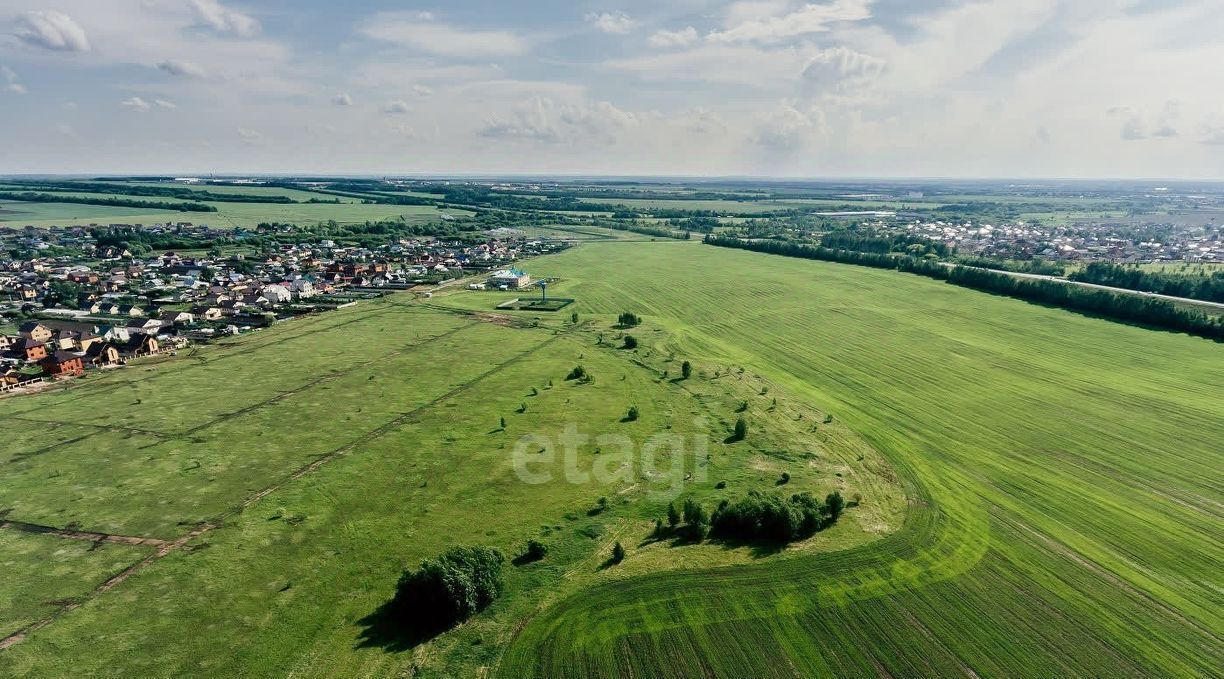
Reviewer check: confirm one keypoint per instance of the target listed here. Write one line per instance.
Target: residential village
(1097, 242)
(70, 305)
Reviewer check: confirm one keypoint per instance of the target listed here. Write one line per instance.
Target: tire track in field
(169, 547)
(246, 410)
(97, 427)
(73, 534)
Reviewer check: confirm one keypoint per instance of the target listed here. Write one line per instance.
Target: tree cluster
(450, 588)
(770, 517)
(1209, 288)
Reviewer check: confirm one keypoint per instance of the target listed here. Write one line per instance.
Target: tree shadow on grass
(391, 629)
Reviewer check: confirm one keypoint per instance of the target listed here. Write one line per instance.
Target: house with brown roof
(35, 331)
(63, 364)
(28, 349)
(102, 354)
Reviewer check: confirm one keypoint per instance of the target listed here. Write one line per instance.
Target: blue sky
(999, 88)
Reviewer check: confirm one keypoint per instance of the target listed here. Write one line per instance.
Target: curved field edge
(1077, 463)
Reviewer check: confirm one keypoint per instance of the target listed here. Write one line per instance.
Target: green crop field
(247, 215)
(1041, 490)
(1064, 471)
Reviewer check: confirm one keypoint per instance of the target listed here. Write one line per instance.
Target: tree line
(153, 191)
(1209, 288)
(31, 197)
(1148, 311)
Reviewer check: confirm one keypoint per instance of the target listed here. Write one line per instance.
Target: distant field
(227, 215)
(250, 191)
(15, 213)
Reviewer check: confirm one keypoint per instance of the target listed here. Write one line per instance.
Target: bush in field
(773, 518)
(535, 551)
(740, 432)
(577, 373)
(628, 319)
(686, 370)
(450, 588)
(618, 553)
(630, 342)
(632, 414)
(673, 515)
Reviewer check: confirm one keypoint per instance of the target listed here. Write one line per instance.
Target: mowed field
(246, 215)
(1066, 470)
(244, 509)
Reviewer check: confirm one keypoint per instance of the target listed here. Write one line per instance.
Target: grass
(1041, 489)
(247, 215)
(405, 400)
(1063, 467)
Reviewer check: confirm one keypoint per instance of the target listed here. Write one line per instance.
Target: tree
(630, 342)
(686, 369)
(632, 415)
(834, 505)
(618, 553)
(741, 430)
(535, 551)
(785, 479)
(450, 588)
(503, 423)
(628, 319)
(673, 515)
(574, 318)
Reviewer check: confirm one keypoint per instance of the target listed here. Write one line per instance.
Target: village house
(62, 364)
(102, 354)
(28, 349)
(35, 331)
(509, 278)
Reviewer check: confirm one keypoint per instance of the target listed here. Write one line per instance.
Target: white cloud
(681, 38)
(342, 100)
(249, 134)
(420, 32)
(162, 103)
(839, 67)
(1136, 126)
(810, 18)
(422, 90)
(544, 119)
(136, 104)
(397, 107)
(611, 22)
(212, 14)
(184, 69)
(52, 30)
(10, 83)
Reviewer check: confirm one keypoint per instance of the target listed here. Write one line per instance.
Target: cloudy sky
(995, 88)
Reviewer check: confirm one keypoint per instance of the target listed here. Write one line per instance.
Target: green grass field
(248, 215)
(1041, 490)
(1067, 469)
(401, 402)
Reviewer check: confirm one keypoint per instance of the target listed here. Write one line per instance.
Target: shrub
(628, 319)
(630, 342)
(771, 518)
(686, 370)
(450, 588)
(574, 317)
(618, 553)
(632, 414)
(577, 373)
(535, 551)
(741, 430)
(784, 479)
(673, 515)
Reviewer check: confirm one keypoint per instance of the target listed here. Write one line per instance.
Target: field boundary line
(75, 534)
(167, 548)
